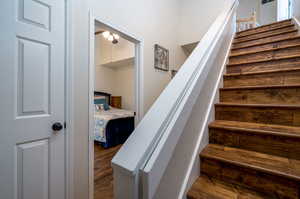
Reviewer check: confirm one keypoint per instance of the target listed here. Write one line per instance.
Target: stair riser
(283, 146)
(274, 186)
(279, 44)
(264, 28)
(266, 55)
(263, 34)
(264, 79)
(265, 66)
(266, 115)
(261, 96)
(268, 39)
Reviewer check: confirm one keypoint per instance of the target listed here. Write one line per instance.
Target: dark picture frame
(161, 58)
(266, 1)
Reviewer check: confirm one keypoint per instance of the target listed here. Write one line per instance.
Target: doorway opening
(284, 9)
(115, 99)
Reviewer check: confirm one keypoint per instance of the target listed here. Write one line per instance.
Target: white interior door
(32, 57)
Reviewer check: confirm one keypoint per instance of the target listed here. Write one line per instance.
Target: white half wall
(155, 22)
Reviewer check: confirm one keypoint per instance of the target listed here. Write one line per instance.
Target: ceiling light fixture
(113, 37)
(106, 34)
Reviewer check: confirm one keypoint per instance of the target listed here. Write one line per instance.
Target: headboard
(107, 95)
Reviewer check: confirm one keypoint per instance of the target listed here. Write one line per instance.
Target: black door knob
(57, 126)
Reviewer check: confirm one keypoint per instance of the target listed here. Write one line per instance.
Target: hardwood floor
(103, 178)
(254, 143)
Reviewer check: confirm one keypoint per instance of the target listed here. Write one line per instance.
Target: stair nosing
(276, 34)
(251, 166)
(257, 131)
(267, 60)
(268, 42)
(260, 72)
(259, 87)
(224, 183)
(278, 22)
(276, 28)
(286, 106)
(264, 50)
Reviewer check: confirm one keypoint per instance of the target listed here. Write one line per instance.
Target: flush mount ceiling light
(113, 37)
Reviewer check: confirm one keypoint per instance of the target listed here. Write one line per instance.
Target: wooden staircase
(254, 143)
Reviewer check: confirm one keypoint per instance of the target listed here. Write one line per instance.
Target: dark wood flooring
(103, 178)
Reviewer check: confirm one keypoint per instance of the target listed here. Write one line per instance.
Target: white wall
(125, 86)
(195, 18)
(247, 7)
(155, 21)
(296, 9)
(268, 13)
(105, 80)
(116, 80)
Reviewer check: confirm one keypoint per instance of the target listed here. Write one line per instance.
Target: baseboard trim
(297, 22)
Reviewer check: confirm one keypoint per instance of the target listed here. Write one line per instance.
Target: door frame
(138, 83)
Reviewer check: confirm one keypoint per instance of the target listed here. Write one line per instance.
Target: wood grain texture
(275, 77)
(259, 113)
(261, 182)
(103, 173)
(266, 39)
(261, 95)
(276, 53)
(284, 43)
(261, 30)
(210, 188)
(275, 140)
(255, 140)
(267, 27)
(265, 34)
(290, 63)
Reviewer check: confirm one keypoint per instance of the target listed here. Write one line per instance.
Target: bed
(112, 126)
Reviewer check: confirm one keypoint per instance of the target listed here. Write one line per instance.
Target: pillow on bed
(101, 100)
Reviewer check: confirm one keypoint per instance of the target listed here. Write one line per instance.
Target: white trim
(139, 77)
(91, 104)
(69, 139)
(206, 121)
(297, 22)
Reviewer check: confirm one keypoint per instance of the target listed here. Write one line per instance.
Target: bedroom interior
(114, 95)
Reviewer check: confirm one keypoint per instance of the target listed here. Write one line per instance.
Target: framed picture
(161, 58)
(173, 73)
(266, 1)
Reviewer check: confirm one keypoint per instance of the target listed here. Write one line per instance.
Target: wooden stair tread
(261, 72)
(259, 87)
(254, 143)
(268, 42)
(272, 129)
(259, 27)
(263, 31)
(263, 50)
(210, 188)
(259, 105)
(266, 36)
(271, 164)
(265, 60)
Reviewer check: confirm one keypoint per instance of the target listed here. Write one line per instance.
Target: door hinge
(65, 125)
